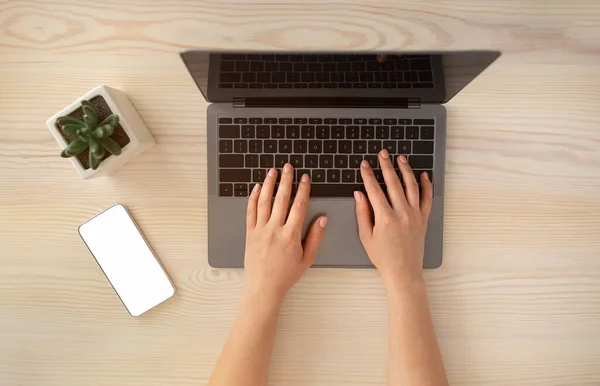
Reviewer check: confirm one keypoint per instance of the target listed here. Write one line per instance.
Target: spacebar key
(334, 190)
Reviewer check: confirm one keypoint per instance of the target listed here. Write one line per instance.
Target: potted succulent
(100, 132)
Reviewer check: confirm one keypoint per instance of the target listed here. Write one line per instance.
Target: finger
(394, 187)
(381, 58)
(266, 195)
(313, 240)
(363, 216)
(426, 195)
(374, 192)
(298, 211)
(281, 205)
(252, 207)
(410, 183)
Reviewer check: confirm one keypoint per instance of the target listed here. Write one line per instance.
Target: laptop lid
(304, 78)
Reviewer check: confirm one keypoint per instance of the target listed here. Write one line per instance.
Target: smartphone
(127, 260)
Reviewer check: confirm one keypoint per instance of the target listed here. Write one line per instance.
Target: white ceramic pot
(140, 138)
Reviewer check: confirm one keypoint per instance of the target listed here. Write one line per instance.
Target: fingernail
(364, 164)
(323, 222)
(272, 173)
(384, 154)
(403, 158)
(255, 188)
(287, 168)
(426, 176)
(305, 178)
(357, 196)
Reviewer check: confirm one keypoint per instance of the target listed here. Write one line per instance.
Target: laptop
(323, 112)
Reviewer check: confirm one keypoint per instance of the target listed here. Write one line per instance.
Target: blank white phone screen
(126, 260)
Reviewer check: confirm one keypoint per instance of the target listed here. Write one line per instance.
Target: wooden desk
(516, 302)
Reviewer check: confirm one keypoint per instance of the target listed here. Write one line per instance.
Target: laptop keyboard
(329, 150)
(338, 71)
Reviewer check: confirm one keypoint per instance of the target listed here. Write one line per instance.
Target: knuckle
(300, 203)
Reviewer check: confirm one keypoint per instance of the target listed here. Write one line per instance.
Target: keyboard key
(425, 76)
(423, 147)
(412, 132)
(397, 132)
(251, 160)
(420, 64)
(390, 121)
(225, 190)
(229, 131)
(300, 173)
(286, 67)
(345, 121)
(405, 121)
(255, 146)
(341, 161)
(323, 132)
(240, 146)
(271, 121)
(277, 131)
(225, 85)
(257, 66)
(307, 131)
(309, 76)
(379, 175)
(360, 147)
(255, 121)
(382, 132)
(227, 66)
(285, 146)
(421, 161)
(355, 161)
(374, 147)
(315, 121)
(297, 160)
(225, 146)
(270, 146)
(292, 132)
(234, 175)
(249, 77)
(390, 146)
(271, 66)
(231, 161)
(345, 147)
(348, 175)
(333, 175)
(352, 132)
(367, 132)
(329, 85)
(315, 146)
(326, 161)
(300, 67)
(263, 77)
(337, 77)
(300, 121)
(240, 190)
(230, 77)
(280, 160)
(318, 175)
(285, 121)
(247, 131)
(411, 76)
(375, 121)
(359, 176)
(225, 120)
(337, 132)
(404, 147)
(360, 121)
(330, 121)
(259, 175)
(278, 77)
(291, 77)
(300, 146)
(372, 160)
(427, 132)
(242, 66)
(330, 147)
(266, 161)
(418, 173)
(311, 161)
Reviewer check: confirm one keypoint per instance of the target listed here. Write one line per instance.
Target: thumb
(363, 216)
(313, 240)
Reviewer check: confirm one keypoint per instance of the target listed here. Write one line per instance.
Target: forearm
(414, 354)
(246, 356)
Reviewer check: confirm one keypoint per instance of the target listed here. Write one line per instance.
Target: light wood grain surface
(516, 302)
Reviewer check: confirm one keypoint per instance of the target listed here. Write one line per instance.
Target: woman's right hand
(395, 239)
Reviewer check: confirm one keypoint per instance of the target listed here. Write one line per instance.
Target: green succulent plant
(90, 134)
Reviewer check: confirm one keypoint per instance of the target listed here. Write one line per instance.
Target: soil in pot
(103, 111)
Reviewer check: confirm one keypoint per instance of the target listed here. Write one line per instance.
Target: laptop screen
(425, 77)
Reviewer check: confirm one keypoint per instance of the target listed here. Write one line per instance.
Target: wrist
(401, 284)
(266, 301)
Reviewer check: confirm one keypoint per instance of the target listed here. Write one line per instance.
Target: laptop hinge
(327, 102)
